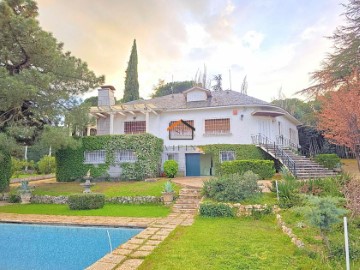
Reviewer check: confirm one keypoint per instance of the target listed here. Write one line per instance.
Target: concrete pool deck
(128, 256)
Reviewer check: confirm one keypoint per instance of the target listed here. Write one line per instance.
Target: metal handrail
(279, 152)
(286, 142)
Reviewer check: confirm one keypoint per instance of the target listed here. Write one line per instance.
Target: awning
(267, 113)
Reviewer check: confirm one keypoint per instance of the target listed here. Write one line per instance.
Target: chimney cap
(108, 87)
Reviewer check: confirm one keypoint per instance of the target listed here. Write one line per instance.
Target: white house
(195, 117)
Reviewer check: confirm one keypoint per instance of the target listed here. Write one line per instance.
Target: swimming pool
(42, 247)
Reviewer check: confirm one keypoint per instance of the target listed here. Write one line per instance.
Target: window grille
(134, 127)
(173, 156)
(181, 131)
(94, 157)
(227, 156)
(217, 126)
(125, 156)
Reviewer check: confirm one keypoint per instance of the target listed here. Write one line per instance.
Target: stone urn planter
(25, 192)
(168, 193)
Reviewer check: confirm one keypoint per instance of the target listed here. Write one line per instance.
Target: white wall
(242, 125)
(196, 95)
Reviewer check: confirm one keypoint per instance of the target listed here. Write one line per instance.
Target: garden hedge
(216, 210)
(263, 168)
(148, 148)
(5, 170)
(329, 161)
(242, 151)
(86, 201)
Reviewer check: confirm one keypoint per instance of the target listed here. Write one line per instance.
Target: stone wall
(46, 199)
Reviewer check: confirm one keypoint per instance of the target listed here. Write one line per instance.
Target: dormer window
(197, 94)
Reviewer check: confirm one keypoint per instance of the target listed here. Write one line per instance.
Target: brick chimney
(106, 95)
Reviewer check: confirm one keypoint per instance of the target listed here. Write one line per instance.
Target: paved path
(196, 182)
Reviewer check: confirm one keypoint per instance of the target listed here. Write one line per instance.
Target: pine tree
(131, 91)
(244, 86)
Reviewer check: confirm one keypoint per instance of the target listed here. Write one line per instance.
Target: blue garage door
(192, 164)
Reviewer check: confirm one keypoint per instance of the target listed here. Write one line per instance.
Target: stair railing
(286, 142)
(279, 152)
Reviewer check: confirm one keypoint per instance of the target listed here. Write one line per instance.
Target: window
(227, 156)
(217, 126)
(181, 131)
(125, 156)
(94, 157)
(173, 156)
(134, 127)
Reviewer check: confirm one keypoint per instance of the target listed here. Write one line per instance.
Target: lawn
(112, 210)
(110, 189)
(225, 243)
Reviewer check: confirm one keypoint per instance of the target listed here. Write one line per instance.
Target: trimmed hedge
(263, 168)
(86, 201)
(329, 161)
(148, 148)
(5, 171)
(216, 210)
(242, 151)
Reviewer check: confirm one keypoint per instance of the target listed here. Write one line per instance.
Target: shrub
(216, 210)
(14, 198)
(86, 201)
(288, 190)
(329, 161)
(352, 196)
(264, 168)
(47, 165)
(5, 170)
(330, 186)
(232, 188)
(171, 168)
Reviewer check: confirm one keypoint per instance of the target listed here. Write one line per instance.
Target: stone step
(185, 206)
(186, 201)
(187, 211)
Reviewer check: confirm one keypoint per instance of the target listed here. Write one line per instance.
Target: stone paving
(129, 255)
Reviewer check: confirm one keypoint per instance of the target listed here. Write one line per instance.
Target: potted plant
(168, 193)
(25, 192)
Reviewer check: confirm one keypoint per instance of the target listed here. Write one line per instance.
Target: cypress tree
(131, 91)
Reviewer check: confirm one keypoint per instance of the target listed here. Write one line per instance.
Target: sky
(275, 43)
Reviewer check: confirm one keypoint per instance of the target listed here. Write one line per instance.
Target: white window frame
(94, 157)
(227, 156)
(175, 156)
(122, 156)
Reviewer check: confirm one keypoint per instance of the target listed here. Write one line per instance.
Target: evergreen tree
(131, 91)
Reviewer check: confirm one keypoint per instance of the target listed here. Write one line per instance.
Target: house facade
(194, 118)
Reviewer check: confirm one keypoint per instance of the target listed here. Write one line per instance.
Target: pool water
(38, 247)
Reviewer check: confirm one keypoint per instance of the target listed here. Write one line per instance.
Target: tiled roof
(217, 99)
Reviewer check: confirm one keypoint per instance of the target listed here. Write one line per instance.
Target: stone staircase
(188, 201)
(305, 167)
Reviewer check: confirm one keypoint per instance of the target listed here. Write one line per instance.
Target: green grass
(312, 239)
(112, 210)
(110, 189)
(220, 243)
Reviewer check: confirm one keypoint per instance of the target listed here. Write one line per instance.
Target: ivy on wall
(242, 151)
(148, 148)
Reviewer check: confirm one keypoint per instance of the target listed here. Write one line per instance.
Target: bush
(47, 165)
(329, 161)
(264, 168)
(330, 186)
(232, 188)
(288, 190)
(171, 168)
(216, 210)
(86, 201)
(5, 170)
(14, 198)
